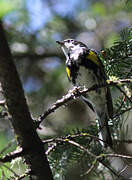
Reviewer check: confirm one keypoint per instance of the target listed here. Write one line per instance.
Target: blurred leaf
(6, 6)
(99, 8)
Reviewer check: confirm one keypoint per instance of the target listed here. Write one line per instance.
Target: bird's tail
(104, 133)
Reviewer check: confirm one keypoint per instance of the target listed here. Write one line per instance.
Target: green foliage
(65, 156)
(6, 6)
(99, 8)
(118, 59)
(118, 64)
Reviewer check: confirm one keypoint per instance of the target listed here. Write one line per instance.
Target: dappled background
(32, 28)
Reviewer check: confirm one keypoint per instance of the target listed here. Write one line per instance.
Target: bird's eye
(68, 41)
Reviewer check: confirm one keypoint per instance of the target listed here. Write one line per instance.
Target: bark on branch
(21, 120)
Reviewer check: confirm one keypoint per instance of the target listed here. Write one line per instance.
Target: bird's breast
(87, 78)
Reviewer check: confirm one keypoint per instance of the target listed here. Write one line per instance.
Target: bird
(84, 68)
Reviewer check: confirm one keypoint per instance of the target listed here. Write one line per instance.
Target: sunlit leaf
(6, 6)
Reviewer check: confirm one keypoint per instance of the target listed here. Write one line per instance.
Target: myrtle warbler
(84, 68)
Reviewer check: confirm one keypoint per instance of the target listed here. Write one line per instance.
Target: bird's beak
(60, 43)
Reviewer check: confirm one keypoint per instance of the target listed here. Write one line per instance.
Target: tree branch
(75, 93)
(21, 120)
(11, 156)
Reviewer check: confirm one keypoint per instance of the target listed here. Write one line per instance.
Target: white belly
(87, 78)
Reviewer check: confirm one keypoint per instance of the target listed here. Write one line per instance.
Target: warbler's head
(72, 47)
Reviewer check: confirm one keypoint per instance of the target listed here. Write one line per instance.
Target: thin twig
(117, 155)
(120, 81)
(72, 136)
(51, 148)
(21, 176)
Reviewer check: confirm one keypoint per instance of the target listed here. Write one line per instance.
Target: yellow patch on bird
(93, 57)
(68, 73)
